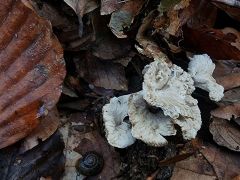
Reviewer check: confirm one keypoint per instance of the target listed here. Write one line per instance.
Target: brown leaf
(193, 168)
(219, 44)
(211, 163)
(82, 7)
(79, 142)
(106, 45)
(45, 160)
(226, 164)
(97, 143)
(102, 73)
(225, 134)
(123, 18)
(227, 73)
(231, 96)
(31, 70)
(204, 14)
(109, 6)
(47, 126)
(227, 111)
(230, 10)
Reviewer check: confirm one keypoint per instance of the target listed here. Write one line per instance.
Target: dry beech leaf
(101, 73)
(231, 96)
(193, 168)
(82, 7)
(204, 14)
(106, 45)
(210, 163)
(109, 6)
(225, 134)
(47, 126)
(31, 71)
(226, 164)
(80, 137)
(45, 160)
(227, 73)
(123, 18)
(217, 43)
(227, 111)
(97, 143)
(230, 10)
(177, 17)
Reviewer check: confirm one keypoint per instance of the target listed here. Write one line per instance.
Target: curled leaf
(31, 70)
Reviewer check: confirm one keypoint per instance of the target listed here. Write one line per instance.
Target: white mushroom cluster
(168, 89)
(201, 69)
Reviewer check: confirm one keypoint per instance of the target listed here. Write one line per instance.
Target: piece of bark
(225, 134)
(31, 70)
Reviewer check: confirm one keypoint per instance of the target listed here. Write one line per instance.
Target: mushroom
(169, 89)
(118, 132)
(148, 126)
(201, 69)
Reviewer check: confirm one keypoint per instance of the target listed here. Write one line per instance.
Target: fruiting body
(90, 164)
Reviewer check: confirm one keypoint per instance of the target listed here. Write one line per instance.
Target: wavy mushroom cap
(147, 126)
(118, 132)
(201, 69)
(173, 94)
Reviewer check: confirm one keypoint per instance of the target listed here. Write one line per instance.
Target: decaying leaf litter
(151, 89)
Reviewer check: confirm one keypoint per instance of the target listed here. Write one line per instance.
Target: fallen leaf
(193, 168)
(230, 10)
(225, 134)
(97, 143)
(234, 3)
(210, 163)
(79, 142)
(101, 73)
(106, 45)
(227, 111)
(31, 70)
(177, 17)
(217, 43)
(204, 14)
(231, 96)
(109, 6)
(44, 160)
(123, 18)
(226, 164)
(51, 13)
(82, 7)
(227, 73)
(47, 126)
